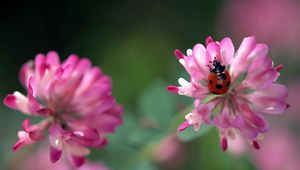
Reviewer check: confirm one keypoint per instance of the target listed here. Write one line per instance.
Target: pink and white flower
(74, 98)
(252, 90)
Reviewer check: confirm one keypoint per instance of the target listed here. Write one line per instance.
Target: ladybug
(218, 78)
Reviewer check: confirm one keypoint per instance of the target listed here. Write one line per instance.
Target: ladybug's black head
(216, 63)
(218, 67)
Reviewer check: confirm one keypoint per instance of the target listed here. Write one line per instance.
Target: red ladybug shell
(217, 85)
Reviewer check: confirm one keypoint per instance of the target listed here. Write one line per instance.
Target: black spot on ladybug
(210, 82)
(219, 86)
(223, 76)
(228, 83)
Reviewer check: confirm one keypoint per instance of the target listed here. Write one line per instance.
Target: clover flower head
(232, 90)
(74, 98)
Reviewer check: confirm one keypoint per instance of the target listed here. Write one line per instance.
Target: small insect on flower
(232, 90)
(219, 78)
(75, 101)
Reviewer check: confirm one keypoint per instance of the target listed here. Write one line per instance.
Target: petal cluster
(253, 89)
(74, 98)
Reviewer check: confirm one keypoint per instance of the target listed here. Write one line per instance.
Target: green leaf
(157, 104)
(189, 133)
(10, 121)
(144, 163)
(211, 156)
(142, 136)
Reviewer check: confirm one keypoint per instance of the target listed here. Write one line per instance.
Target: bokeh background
(133, 42)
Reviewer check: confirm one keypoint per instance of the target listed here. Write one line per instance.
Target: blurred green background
(133, 42)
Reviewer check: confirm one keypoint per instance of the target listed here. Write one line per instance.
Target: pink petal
(97, 107)
(101, 87)
(17, 145)
(77, 161)
(192, 89)
(17, 101)
(270, 99)
(26, 125)
(247, 130)
(279, 67)
(75, 147)
(274, 91)
(56, 77)
(55, 154)
(272, 106)
(256, 145)
(57, 135)
(86, 134)
(40, 66)
(59, 70)
(26, 72)
(89, 78)
(10, 101)
(183, 126)
(241, 60)
(52, 58)
(105, 123)
(199, 52)
(266, 126)
(173, 89)
(179, 54)
(196, 71)
(288, 105)
(260, 73)
(252, 117)
(44, 111)
(247, 45)
(262, 80)
(260, 51)
(208, 40)
(223, 120)
(259, 65)
(33, 104)
(227, 51)
(224, 144)
(103, 143)
(24, 140)
(117, 110)
(35, 131)
(57, 130)
(71, 61)
(83, 65)
(213, 49)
